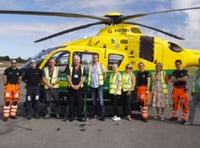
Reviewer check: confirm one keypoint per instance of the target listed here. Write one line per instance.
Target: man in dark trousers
(32, 78)
(51, 78)
(76, 78)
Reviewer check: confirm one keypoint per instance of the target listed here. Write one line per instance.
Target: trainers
(156, 117)
(57, 116)
(162, 117)
(188, 123)
(115, 118)
(47, 116)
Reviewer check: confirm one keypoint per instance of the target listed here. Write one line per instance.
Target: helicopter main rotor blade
(158, 12)
(69, 30)
(156, 29)
(60, 14)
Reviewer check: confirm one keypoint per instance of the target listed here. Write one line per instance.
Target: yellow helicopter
(121, 41)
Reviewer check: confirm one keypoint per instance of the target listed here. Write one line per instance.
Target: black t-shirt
(180, 74)
(76, 74)
(141, 78)
(33, 76)
(12, 75)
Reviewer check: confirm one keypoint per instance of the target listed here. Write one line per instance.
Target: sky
(18, 32)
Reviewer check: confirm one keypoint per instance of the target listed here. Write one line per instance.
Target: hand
(128, 93)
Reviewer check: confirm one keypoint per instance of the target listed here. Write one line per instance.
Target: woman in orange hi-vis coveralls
(143, 83)
(179, 95)
(12, 77)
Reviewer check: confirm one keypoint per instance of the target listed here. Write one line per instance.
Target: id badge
(75, 76)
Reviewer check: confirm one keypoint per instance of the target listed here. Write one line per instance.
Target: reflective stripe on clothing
(53, 78)
(100, 74)
(180, 99)
(6, 111)
(12, 91)
(13, 110)
(114, 80)
(126, 81)
(163, 83)
(142, 94)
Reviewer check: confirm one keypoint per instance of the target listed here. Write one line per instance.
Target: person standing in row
(143, 84)
(159, 91)
(11, 78)
(32, 78)
(180, 96)
(115, 90)
(76, 78)
(51, 79)
(195, 97)
(96, 78)
(128, 86)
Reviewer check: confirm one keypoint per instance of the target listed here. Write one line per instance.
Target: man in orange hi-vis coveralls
(143, 84)
(179, 95)
(12, 77)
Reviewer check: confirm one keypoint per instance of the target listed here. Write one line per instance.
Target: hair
(13, 61)
(159, 64)
(178, 61)
(129, 65)
(95, 54)
(140, 63)
(78, 57)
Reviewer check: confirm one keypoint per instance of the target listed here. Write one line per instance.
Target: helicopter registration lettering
(122, 30)
(119, 30)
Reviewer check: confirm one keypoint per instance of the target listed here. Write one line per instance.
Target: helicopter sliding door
(147, 48)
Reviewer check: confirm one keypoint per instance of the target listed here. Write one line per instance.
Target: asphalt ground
(51, 133)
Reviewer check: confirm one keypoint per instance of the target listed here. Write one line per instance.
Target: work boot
(28, 117)
(13, 117)
(5, 119)
(36, 116)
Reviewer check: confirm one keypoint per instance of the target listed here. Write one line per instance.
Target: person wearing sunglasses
(128, 85)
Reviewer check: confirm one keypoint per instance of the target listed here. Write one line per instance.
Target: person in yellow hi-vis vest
(12, 78)
(143, 84)
(115, 90)
(51, 79)
(128, 86)
(159, 91)
(96, 78)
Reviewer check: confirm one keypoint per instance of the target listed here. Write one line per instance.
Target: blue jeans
(193, 104)
(98, 101)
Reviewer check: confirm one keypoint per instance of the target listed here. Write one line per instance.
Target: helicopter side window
(147, 48)
(174, 47)
(62, 60)
(114, 58)
(86, 59)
